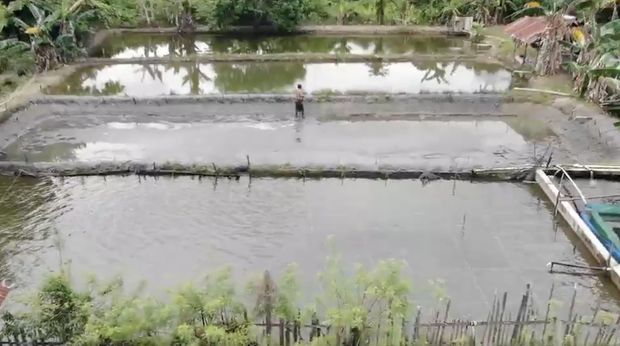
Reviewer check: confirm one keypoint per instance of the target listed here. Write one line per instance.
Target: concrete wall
(579, 226)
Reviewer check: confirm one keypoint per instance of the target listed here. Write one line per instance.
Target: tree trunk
(146, 12)
(381, 11)
(185, 24)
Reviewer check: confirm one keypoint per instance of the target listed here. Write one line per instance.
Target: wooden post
(316, 329)
(287, 334)
(544, 332)
(281, 327)
(445, 320)
(569, 321)
(416, 328)
(296, 330)
(268, 322)
(521, 314)
(557, 200)
(524, 54)
(514, 50)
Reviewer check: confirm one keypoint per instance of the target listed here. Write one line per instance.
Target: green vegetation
(42, 34)
(372, 303)
(369, 307)
(52, 32)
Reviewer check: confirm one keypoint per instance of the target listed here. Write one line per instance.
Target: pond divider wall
(69, 169)
(304, 29)
(293, 57)
(576, 223)
(491, 98)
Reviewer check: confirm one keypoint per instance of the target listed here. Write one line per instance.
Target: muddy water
(596, 189)
(134, 45)
(417, 144)
(168, 231)
(191, 78)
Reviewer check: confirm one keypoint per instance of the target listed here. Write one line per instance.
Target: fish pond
(140, 45)
(476, 238)
(281, 77)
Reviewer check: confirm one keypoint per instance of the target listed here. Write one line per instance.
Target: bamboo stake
(571, 310)
(489, 317)
(613, 331)
(445, 319)
(501, 317)
(544, 332)
(416, 327)
(515, 331)
(434, 334)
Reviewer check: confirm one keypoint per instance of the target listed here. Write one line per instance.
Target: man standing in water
(299, 101)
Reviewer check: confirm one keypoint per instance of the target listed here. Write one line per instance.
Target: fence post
(268, 323)
(416, 327)
(287, 334)
(316, 330)
(281, 328)
(296, 329)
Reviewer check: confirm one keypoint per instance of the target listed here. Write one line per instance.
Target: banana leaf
(611, 72)
(610, 31)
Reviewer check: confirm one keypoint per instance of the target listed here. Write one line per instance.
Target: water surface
(138, 45)
(417, 144)
(191, 78)
(478, 237)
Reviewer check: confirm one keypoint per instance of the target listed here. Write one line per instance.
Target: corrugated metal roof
(527, 29)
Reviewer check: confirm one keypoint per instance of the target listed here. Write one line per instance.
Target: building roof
(527, 29)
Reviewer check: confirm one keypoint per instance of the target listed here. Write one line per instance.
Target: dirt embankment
(306, 29)
(303, 57)
(30, 90)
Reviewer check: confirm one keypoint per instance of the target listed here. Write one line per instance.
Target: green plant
(477, 34)
(57, 310)
(15, 56)
(283, 14)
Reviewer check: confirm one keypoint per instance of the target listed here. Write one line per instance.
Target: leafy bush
(283, 14)
(16, 57)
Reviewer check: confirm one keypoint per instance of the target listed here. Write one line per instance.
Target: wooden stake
(571, 311)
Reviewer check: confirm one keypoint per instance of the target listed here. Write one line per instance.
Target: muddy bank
(581, 128)
(31, 89)
(360, 97)
(70, 169)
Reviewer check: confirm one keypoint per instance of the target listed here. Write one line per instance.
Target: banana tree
(54, 33)
(15, 56)
(598, 61)
(41, 41)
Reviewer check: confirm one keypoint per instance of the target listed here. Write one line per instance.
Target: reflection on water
(191, 78)
(133, 45)
(21, 202)
(169, 231)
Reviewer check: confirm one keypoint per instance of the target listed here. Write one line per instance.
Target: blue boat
(604, 221)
